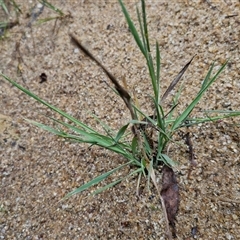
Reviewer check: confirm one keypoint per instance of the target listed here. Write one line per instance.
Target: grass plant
(144, 151)
(165, 122)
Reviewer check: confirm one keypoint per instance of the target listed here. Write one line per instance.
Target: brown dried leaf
(170, 195)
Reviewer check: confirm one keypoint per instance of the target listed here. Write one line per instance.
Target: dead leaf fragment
(170, 195)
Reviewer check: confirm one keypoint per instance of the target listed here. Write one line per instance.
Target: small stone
(235, 217)
(212, 49)
(227, 104)
(76, 50)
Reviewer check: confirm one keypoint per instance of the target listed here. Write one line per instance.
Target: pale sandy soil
(38, 169)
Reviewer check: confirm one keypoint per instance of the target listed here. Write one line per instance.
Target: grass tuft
(142, 151)
(151, 135)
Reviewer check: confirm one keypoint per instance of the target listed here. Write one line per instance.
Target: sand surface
(38, 169)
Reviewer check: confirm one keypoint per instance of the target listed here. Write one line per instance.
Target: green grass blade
(206, 80)
(144, 17)
(16, 7)
(105, 127)
(164, 137)
(3, 24)
(133, 29)
(116, 182)
(196, 121)
(223, 111)
(169, 116)
(141, 30)
(4, 7)
(178, 122)
(48, 128)
(93, 138)
(134, 146)
(85, 137)
(55, 109)
(152, 76)
(50, 6)
(167, 160)
(144, 44)
(151, 121)
(121, 132)
(158, 64)
(147, 148)
(148, 56)
(107, 186)
(95, 181)
(144, 115)
(137, 122)
(160, 115)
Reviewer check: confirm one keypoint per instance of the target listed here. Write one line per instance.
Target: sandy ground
(38, 169)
